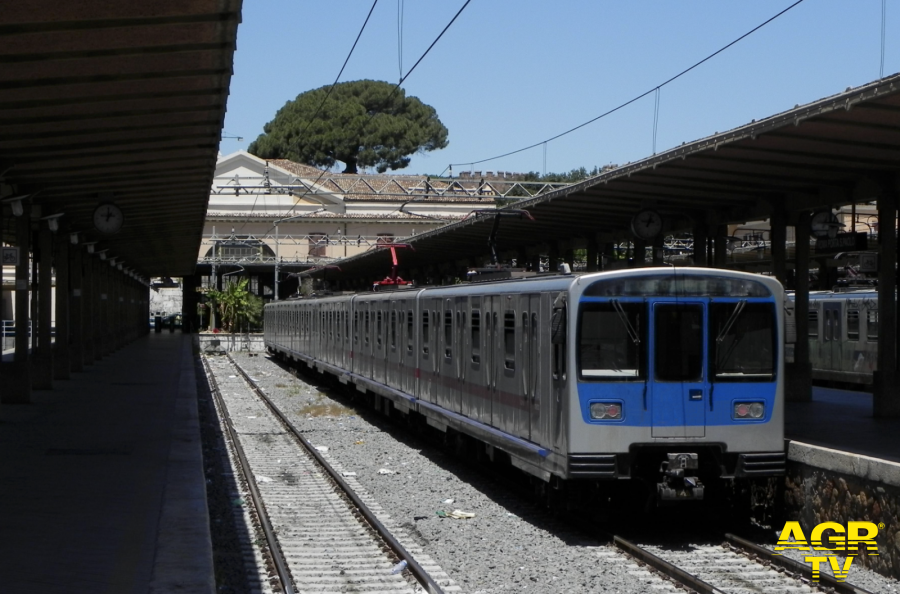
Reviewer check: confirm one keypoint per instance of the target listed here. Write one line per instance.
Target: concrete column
(778, 235)
(190, 298)
(658, 249)
(553, 257)
(17, 374)
(609, 250)
(76, 303)
(593, 253)
(639, 252)
(886, 399)
(799, 373)
(105, 318)
(61, 357)
(42, 364)
(720, 247)
(97, 319)
(701, 233)
(88, 309)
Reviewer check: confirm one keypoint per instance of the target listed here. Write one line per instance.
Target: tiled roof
(386, 188)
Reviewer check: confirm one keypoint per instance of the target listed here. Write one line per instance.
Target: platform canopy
(119, 102)
(825, 153)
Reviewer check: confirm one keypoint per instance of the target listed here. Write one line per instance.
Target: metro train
(843, 336)
(669, 377)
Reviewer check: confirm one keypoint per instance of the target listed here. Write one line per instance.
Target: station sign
(842, 242)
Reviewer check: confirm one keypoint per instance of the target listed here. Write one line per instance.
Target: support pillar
(61, 355)
(42, 356)
(593, 253)
(701, 233)
(658, 255)
(778, 235)
(639, 252)
(553, 257)
(886, 397)
(190, 298)
(76, 304)
(799, 373)
(720, 247)
(17, 374)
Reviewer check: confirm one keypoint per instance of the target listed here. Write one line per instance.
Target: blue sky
(509, 74)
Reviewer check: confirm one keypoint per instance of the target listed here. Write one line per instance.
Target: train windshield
(742, 341)
(610, 340)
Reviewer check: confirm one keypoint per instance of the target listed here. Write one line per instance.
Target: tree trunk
(350, 165)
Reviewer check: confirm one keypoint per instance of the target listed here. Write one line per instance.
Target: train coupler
(677, 485)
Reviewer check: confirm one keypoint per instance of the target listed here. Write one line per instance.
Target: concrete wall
(825, 485)
(225, 342)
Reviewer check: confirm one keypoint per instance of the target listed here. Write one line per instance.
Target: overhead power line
(641, 96)
(393, 91)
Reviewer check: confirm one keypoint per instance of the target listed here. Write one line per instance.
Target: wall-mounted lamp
(90, 246)
(102, 253)
(15, 203)
(73, 238)
(53, 221)
(112, 261)
(119, 266)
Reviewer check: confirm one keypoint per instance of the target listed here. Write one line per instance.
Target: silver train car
(671, 377)
(843, 336)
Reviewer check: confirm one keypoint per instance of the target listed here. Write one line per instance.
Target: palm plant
(236, 305)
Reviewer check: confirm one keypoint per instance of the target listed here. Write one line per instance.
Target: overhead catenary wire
(393, 91)
(638, 97)
(327, 94)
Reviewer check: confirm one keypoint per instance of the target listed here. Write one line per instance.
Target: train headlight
(749, 410)
(608, 411)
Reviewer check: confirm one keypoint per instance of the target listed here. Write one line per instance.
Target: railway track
(320, 533)
(736, 566)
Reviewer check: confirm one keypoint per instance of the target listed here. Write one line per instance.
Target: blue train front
(678, 375)
(671, 377)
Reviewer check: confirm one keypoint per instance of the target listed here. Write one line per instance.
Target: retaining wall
(825, 485)
(224, 342)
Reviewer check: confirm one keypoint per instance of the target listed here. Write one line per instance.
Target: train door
(526, 344)
(459, 340)
(506, 398)
(473, 397)
(678, 387)
(448, 378)
(832, 335)
(392, 344)
(409, 362)
(429, 328)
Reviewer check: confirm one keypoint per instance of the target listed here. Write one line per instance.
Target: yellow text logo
(830, 539)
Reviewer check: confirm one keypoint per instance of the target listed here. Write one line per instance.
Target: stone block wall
(825, 485)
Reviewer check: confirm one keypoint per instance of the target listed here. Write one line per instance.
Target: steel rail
(666, 568)
(284, 574)
(415, 569)
(793, 566)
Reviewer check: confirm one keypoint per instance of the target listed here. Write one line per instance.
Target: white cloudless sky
(511, 73)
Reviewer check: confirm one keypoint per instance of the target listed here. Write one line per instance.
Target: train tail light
(749, 410)
(607, 411)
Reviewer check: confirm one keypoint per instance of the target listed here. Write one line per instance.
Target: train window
(678, 353)
(872, 325)
(813, 323)
(742, 341)
(606, 347)
(448, 334)
(356, 326)
(476, 336)
(852, 324)
(339, 321)
(425, 332)
(509, 340)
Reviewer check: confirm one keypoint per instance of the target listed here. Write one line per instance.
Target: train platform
(102, 488)
(842, 420)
